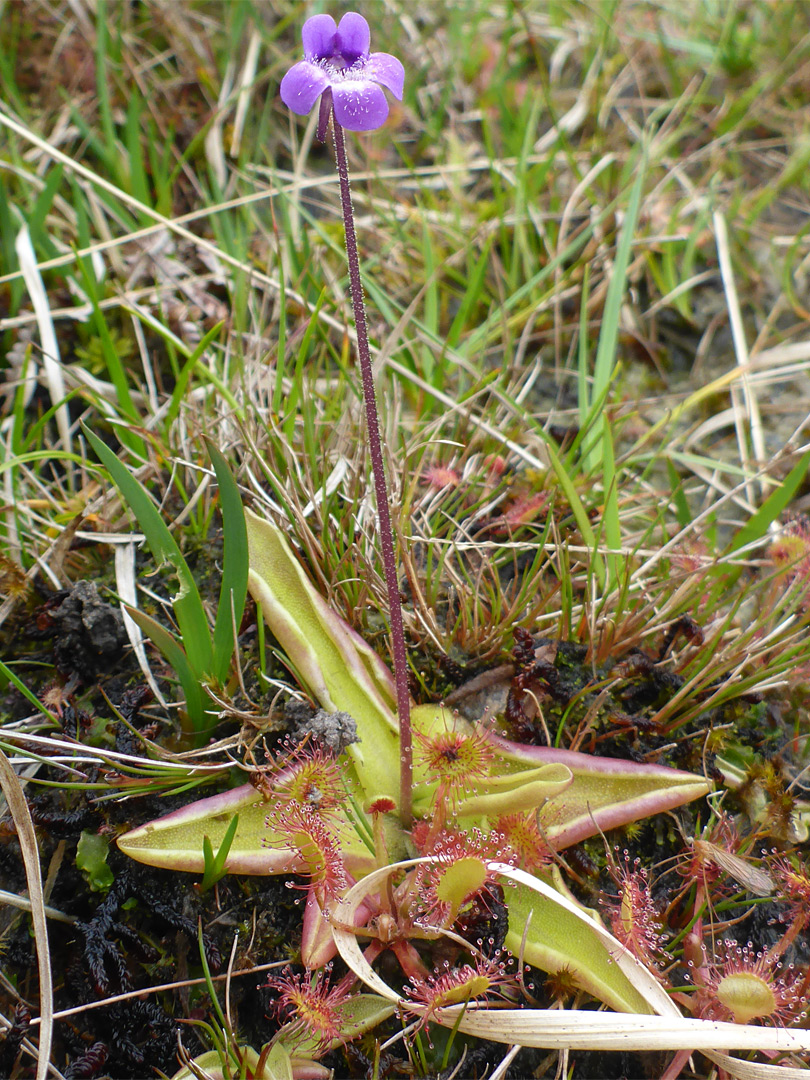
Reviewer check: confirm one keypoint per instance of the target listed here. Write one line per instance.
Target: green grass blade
(215, 863)
(583, 389)
(18, 411)
(174, 343)
(102, 69)
(281, 349)
(431, 302)
(470, 297)
(682, 513)
(181, 385)
(115, 368)
(40, 210)
(233, 590)
(757, 525)
(610, 513)
(41, 455)
(590, 432)
(138, 182)
(8, 674)
(609, 333)
(209, 982)
(188, 607)
(578, 510)
(290, 406)
(196, 700)
(701, 461)
(9, 227)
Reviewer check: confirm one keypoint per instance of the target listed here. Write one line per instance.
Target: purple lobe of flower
(353, 37)
(337, 56)
(359, 106)
(318, 37)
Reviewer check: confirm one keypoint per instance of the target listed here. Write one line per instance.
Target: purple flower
(336, 58)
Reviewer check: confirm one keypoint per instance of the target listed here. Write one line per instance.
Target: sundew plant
(404, 664)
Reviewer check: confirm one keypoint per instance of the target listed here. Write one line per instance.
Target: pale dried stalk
(21, 816)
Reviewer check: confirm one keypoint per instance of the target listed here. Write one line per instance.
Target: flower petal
(359, 105)
(353, 37)
(318, 36)
(384, 68)
(303, 85)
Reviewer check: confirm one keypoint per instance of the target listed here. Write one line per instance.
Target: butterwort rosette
(338, 65)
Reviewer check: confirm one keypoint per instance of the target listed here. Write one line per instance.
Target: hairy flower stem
(380, 490)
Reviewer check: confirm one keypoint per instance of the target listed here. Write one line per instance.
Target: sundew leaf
(358, 1014)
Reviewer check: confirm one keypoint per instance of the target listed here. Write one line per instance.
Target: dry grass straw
(24, 826)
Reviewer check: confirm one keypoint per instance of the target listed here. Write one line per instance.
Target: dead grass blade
(21, 816)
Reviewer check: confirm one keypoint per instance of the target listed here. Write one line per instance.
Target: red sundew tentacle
(461, 863)
(308, 774)
(456, 759)
(440, 476)
(485, 978)
(634, 918)
(314, 1002)
(741, 985)
(306, 832)
(520, 834)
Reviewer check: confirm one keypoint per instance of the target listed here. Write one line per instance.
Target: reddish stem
(380, 489)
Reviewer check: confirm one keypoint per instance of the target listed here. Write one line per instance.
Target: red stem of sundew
(380, 488)
(674, 1070)
(786, 940)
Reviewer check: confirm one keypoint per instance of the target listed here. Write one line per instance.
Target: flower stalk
(380, 488)
(341, 72)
